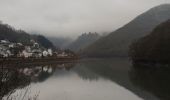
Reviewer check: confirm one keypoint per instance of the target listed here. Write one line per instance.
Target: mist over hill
(83, 41)
(60, 42)
(117, 43)
(19, 36)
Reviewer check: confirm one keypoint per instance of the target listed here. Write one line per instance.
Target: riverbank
(20, 60)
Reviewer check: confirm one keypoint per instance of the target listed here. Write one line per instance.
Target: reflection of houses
(38, 73)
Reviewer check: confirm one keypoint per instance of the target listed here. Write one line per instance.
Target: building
(8, 49)
(62, 54)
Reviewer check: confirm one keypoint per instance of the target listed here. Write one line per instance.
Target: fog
(69, 18)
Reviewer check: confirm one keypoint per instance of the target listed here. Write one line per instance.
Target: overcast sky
(72, 17)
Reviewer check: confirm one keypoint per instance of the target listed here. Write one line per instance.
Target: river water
(92, 79)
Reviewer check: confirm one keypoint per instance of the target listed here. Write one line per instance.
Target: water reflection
(13, 77)
(94, 79)
(72, 87)
(116, 70)
(154, 80)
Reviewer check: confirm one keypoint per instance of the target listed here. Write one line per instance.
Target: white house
(26, 54)
(19, 44)
(28, 48)
(5, 53)
(37, 53)
(50, 52)
(4, 42)
(45, 53)
(63, 54)
(11, 45)
(9, 53)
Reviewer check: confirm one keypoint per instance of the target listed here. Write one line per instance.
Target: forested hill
(83, 41)
(117, 43)
(9, 33)
(154, 47)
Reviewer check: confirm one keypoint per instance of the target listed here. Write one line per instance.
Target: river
(92, 79)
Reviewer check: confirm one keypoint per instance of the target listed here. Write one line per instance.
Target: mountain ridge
(83, 41)
(117, 42)
(154, 47)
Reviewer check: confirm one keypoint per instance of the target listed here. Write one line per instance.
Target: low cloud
(72, 17)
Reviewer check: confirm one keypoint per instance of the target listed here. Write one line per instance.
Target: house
(50, 52)
(8, 49)
(45, 53)
(26, 54)
(19, 44)
(28, 48)
(5, 53)
(4, 42)
(4, 49)
(12, 45)
(37, 53)
(62, 54)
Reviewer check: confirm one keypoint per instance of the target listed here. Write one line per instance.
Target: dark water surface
(93, 79)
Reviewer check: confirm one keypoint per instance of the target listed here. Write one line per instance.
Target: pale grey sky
(72, 17)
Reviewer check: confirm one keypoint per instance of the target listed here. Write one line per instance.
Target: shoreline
(20, 60)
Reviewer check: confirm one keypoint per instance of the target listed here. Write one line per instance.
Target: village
(34, 50)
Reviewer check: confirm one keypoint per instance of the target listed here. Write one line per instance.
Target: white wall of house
(50, 52)
(63, 54)
(26, 54)
(45, 53)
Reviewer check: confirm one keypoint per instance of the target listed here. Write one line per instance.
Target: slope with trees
(153, 48)
(83, 41)
(19, 36)
(117, 43)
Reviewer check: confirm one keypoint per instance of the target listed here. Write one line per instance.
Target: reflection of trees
(85, 73)
(113, 69)
(116, 70)
(13, 77)
(10, 79)
(154, 80)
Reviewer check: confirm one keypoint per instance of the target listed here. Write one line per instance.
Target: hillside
(83, 41)
(13, 35)
(117, 43)
(153, 47)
